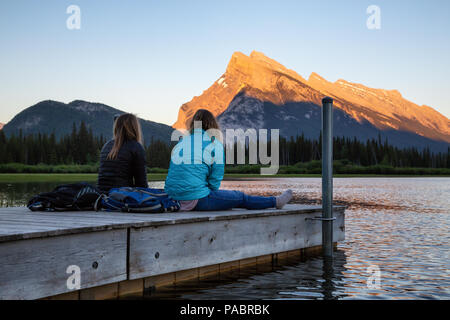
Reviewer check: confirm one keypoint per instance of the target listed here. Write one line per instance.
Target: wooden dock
(116, 254)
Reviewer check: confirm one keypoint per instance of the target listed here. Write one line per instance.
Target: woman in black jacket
(122, 160)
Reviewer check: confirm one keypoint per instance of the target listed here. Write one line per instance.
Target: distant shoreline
(92, 177)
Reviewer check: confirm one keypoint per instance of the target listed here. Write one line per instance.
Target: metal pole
(327, 176)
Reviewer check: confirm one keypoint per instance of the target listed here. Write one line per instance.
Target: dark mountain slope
(52, 116)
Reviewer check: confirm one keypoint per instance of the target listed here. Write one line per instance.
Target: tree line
(371, 152)
(78, 147)
(82, 147)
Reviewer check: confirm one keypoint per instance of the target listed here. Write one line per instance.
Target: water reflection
(296, 278)
(17, 194)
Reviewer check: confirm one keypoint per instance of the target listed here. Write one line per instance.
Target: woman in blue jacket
(196, 170)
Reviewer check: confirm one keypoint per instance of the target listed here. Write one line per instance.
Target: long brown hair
(126, 127)
(207, 118)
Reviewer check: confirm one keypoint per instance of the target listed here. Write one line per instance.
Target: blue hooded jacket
(196, 167)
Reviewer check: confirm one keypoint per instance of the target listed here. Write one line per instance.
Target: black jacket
(127, 170)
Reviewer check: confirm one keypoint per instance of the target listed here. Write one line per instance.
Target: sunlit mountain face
(258, 92)
(1, 126)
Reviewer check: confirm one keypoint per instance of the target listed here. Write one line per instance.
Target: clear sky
(149, 57)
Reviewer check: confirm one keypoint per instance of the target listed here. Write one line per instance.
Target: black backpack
(68, 197)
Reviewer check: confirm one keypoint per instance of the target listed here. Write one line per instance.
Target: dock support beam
(327, 176)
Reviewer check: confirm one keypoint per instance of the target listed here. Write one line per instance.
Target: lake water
(399, 226)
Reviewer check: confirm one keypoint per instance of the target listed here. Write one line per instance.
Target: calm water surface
(400, 225)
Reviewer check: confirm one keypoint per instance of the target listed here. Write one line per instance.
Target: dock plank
(20, 223)
(37, 268)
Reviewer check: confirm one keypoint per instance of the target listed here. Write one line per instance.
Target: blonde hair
(126, 128)
(207, 119)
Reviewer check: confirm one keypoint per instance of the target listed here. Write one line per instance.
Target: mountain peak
(254, 55)
(238, 61)
(78, 102)
(395, 93)
(257, 61)
(50, 116)
(257, 75)
(259, 56)
(314, 76)
(256, 79)
(88, 107)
